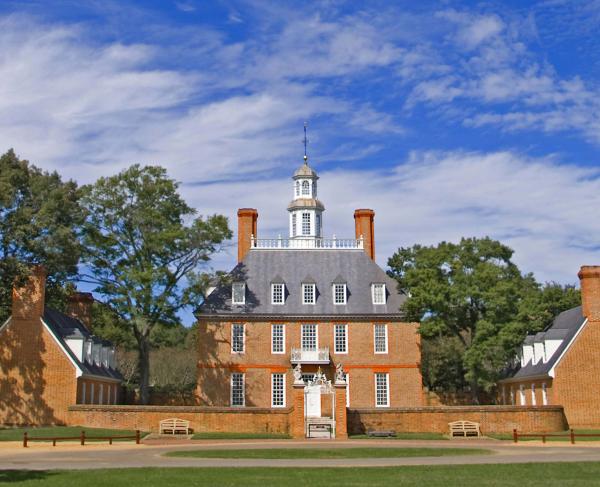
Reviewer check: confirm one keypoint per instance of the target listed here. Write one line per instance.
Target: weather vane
(305, 141)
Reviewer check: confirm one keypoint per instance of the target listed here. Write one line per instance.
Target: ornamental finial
(305, 141)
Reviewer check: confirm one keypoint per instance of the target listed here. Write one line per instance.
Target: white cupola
(306, 211)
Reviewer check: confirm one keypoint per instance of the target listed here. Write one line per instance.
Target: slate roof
(322, 267)
(565, 326)
(64, 327)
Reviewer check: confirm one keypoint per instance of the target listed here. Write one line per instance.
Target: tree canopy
(39, 220)
(475, 308)
(143, 250)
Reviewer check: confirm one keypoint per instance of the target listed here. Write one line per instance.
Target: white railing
(318, 356)
(307, 243)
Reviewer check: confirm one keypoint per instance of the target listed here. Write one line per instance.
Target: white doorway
(313, 401)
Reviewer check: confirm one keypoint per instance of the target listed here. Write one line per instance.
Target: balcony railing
(307, 243)
(318, 356)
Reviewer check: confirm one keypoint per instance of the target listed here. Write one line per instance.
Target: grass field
(294, 453)
(511, 475)
(16, 434)
(509, 436)
(240, 436)
(403, 436)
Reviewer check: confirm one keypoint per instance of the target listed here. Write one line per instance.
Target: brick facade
(257, 362)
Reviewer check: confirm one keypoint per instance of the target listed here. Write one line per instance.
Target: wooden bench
(381, 434)
(174, 426)
(464, 428)
(319, 425)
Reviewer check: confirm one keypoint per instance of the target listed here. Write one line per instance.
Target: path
(125, 455)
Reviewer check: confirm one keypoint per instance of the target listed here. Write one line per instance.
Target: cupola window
(305, 223)
(293, 224)
(297, 188)
(305, 188)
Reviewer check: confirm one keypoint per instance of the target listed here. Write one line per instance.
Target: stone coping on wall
(176, 409)
(465, 409)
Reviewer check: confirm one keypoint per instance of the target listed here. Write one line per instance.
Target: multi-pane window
(277, 293)
(237, 338)
(339, 294)
(340, 338)
(293, 224)
(305, 188)
(277, 390)
(305, 223)
(309, 337)
(237, 389)
(380, 338)
(308, 293)
(238, 293)
(297, 188)
(382, 393)
(277, 338)
(378, 293)
(318, 225)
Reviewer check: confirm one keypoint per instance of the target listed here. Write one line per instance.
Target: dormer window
(305, 188)
(277, 293)
(309, 293)
(339, 293)
(378, 293)
(238, 293)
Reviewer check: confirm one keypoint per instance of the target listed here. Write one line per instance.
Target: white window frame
(305, 187)
(522, 398)
(333, 289)
(274, 286)
(83, 391)
(373, 287)
(305, 326)
(233, 285)
(336, 327)
(282, 338)
(233, 342)
(305, 221)
(243, 390)
(377, 326)
(347, 377)
(306, 286)
(387, 389)
(273, 405)
(544, 394)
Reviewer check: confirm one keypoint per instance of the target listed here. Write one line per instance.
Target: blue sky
(447, 118)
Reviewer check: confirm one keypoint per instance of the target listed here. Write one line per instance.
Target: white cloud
(544, 210)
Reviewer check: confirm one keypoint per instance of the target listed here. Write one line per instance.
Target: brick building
(50, 361)
(561, 366)
(293, 307)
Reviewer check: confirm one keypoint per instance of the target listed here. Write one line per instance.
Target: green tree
(142, 249)
(475, 307)
(39, 218)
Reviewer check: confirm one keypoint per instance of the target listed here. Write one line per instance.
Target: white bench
(174, 426)
(464, 428)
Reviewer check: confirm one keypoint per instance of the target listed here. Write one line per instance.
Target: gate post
(341, 425)
(297, 423)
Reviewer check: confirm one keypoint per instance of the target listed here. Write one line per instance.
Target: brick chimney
(365, 228)
(79, 305)
(29, 297)
(589, 276)
(247, 219)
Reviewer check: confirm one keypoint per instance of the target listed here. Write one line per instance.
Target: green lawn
(509, 436)
(511, 475)
(403, 436)
(240, 436)
(16, 434)
(294, 453)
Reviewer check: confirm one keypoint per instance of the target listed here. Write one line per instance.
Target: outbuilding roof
(324, 267)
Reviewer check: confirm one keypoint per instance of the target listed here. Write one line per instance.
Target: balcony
(307, 243)
(318, 356)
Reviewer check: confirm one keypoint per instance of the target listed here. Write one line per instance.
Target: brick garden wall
(202, 419)
(493, 419)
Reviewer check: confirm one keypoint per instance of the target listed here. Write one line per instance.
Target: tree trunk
(144, 368)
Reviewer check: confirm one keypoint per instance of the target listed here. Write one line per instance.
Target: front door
(313, 401)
